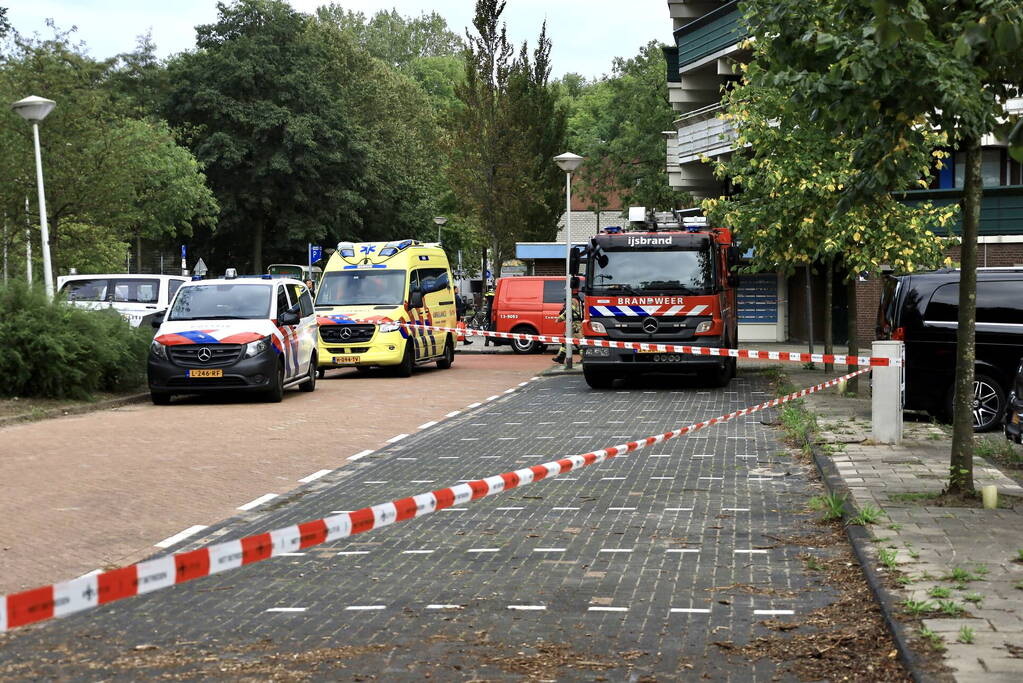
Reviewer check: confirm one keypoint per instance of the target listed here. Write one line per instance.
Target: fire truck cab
(665, 280)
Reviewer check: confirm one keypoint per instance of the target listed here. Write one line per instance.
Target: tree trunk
(829, 297)
(257, 248)
(809, 307)
(138, 252)
(854, 332)
(960, 480)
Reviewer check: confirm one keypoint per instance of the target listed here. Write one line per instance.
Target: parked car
(527, 305)
(1012, 426)
(922, 310)
(135, 297)
(241, 334)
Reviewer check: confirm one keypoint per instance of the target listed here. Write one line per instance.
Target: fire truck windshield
(649, 271)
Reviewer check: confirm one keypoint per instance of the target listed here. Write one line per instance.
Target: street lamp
(568, 162)
(440, 221)
(34, 109)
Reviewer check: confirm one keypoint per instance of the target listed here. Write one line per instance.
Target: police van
(368, 289)
(237, 334)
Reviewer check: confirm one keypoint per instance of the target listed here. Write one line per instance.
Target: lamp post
(440, 221)
(568, 162)
(34, 109)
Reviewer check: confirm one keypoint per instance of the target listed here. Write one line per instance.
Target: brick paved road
(98, 490)
(633, 567)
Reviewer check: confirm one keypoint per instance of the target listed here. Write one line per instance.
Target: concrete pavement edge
(75, 410)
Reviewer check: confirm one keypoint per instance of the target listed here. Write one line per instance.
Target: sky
(586, 34)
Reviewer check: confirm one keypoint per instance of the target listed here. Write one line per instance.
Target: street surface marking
(469, 438)
(607, 609)
(773, 612)
(180, 536)
(678, 509)
(528, 608)
(427, 425)
(689, 610)
(475, 405)
(444, 607)
(258, 501)
(455, 509)
(483, 550)
(286, 609)
(713, 478)
(493, 398)
(353, 608)
(395, 439)
(315, 475)
(407, 458)
(417, 552)
(751, 552)
(291, 555)
(453, 413)
(448, 457)
(509, 509)
(662, 478)
(374, 482)
(359, 455)
(703, 456)
(683, 550)
(615, 550)
(421, 481)
(622, 509)
(611, 478)
(565, 508)
(548, 550)
(661, 455)
(735, 509)
(354, 552)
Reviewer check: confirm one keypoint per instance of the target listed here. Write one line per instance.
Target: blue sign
(183, 252)
(487, 275)
(315, 253)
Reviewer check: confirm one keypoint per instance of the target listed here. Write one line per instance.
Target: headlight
(389, 327)
(253, 349)
(158, 350)
(598, 328)
(704, 326)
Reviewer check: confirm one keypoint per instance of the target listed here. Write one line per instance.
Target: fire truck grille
(671, 328)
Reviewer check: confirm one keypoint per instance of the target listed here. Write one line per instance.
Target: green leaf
(962, 47)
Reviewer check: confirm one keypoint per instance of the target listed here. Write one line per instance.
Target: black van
(922, 310)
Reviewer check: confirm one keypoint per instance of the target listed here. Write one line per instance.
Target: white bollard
(886, 387)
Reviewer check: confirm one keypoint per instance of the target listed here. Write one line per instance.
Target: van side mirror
(157, 319)
(574, 283)
(415, 299)
(734, 256)
(289, 318)
(733, 280)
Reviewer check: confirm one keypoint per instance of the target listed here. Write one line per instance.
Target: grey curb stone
(76, 410)
(859, 539)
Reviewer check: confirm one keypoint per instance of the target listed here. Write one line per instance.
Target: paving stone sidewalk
(931, 543)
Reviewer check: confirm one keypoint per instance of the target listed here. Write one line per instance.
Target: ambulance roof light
(230, 273)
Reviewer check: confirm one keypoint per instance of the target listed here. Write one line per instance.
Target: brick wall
(546, 267)
(868, 294)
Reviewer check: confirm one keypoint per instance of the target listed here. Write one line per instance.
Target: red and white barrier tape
(62, 599)
(784, 356)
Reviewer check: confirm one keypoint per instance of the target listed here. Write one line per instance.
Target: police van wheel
(522, 345)
(310, 383)
(404, 369)
(160, 398)
(275, 394)
(449, 355)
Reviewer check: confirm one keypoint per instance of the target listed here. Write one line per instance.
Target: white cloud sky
(586, 34)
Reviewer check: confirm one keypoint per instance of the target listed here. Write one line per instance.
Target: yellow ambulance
(367, 289)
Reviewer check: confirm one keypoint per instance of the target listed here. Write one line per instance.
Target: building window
(992, 167)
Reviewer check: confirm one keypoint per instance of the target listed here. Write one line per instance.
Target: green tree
(893, 72)
(504, 137)
(108, 176)
(277, 143)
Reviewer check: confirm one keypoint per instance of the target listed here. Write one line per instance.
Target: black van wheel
(310, 383)
(525, 345)
(160, 398)
(275, 394)
(988, 402)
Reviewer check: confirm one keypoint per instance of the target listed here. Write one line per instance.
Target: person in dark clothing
(459, 305)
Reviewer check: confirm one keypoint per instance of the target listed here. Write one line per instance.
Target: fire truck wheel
(598, 379)
(722, 376)
(525, 346)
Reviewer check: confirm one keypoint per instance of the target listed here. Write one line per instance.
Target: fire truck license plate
(345, 360)
(659, 357)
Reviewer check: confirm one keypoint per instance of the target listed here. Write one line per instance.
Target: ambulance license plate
(205, 372)
(345, 360)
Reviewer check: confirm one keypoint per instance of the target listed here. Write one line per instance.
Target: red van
(528, 305)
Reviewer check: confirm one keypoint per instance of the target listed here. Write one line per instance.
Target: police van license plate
(345, 360)
(205, 372)
(659, 357)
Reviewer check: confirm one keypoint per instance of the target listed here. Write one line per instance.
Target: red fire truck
(666, 280)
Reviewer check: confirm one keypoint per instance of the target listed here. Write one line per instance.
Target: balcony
(711, 34)
(702, 132)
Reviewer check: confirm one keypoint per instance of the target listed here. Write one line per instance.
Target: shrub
(53, 350)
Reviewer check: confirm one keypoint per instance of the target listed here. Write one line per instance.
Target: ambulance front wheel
(408, 361)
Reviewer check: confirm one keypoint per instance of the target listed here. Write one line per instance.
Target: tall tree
(505, 135)
(279, 149)
(892, 72)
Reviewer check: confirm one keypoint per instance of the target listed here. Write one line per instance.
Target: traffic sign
(200, 268)
(315, 253)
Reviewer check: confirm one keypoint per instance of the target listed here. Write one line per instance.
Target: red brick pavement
(98, 490)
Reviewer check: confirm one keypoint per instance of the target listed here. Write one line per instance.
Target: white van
(134, 296)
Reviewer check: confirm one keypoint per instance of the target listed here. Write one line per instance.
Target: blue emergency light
(613, 229)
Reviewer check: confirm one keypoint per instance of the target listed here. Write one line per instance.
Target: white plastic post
(886, 390)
